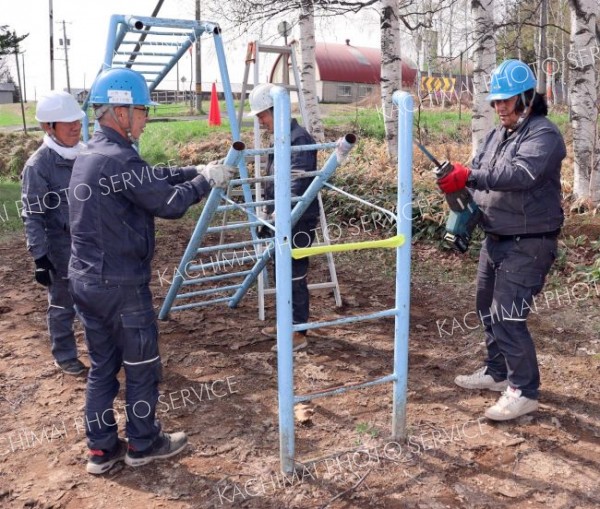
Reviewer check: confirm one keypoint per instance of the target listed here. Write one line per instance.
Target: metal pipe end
(350, 138)
(239, 145)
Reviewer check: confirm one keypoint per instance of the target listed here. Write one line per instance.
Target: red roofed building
(346, 73)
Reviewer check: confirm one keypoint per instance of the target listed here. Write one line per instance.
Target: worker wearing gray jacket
(515, 176)
(114, 197)
(45, 215)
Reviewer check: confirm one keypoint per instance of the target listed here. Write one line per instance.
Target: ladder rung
(347, 319)
(198, 304)
(224, 263)
(339, 390)
(267, 48)
(234, 245)
(233, 226)
(312, 286)
(144, 53)
(160, 33)
(137, 63)
(218, 277)
(152, 43)
(209, 291)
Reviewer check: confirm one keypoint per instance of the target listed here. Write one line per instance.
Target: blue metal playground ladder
(191, 273)
(285, 329)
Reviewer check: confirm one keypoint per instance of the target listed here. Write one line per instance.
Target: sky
(87, 24)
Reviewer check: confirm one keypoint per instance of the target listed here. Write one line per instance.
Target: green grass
(161, 141)
(10, 114)
(10, 221)
(446, 124)
(368, 122)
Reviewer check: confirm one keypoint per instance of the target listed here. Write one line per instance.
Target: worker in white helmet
(45, 214)
(303, 232)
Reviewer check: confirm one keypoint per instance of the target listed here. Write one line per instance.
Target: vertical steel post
(283, 269)
(404, 103)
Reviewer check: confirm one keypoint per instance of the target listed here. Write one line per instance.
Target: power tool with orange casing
(464, 216)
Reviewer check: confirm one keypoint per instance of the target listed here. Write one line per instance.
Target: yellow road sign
(433, 84)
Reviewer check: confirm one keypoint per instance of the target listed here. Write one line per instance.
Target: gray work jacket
(114, 196)
(45, 213)
(517, 179)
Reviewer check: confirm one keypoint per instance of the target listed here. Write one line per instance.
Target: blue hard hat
(120, 86)
(510, 78)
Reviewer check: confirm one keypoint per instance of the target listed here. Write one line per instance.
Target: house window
(345, 90)
(364, 91)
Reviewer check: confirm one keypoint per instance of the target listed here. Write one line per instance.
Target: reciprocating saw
(464, 212)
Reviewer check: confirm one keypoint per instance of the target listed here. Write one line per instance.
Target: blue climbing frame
(285, 329)
(171, 39)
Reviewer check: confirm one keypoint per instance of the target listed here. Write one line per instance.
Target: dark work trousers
(120, 328)
(303, 234)
(61, 311)
(510, 273)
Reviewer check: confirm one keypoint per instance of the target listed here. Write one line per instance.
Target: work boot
(165, 446)
(480, 380)
(299, 342)
(101, 461)
(71, 366)
(511, 405)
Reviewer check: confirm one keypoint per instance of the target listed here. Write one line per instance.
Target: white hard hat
(58, 106)
(260, 98)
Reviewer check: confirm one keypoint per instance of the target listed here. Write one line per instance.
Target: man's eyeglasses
(146, 109)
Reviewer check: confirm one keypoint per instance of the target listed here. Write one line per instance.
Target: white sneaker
(479, 380)
(511, 405)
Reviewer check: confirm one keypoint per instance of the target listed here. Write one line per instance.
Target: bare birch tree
(583, 96)
(485, 61)
(248, 14)
(308, 66)
(391, 72)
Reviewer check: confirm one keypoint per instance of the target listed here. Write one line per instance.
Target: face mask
(64, 152)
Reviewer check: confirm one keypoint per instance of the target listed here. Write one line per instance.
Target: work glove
(455, 180)
(217, 175)
(44, 271)
(263, 230)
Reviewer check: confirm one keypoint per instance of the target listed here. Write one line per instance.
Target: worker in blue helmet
(515, 178)
(114, 196)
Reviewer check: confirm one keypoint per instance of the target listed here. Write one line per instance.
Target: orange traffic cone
(214, 115)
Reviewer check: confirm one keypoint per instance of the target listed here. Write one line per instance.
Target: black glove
(44, 271)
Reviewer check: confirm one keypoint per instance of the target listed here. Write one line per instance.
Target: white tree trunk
(308, 66)
(391, 72)
(584, 108)
(485, 62)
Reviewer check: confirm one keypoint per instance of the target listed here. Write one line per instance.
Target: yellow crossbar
(303, 252)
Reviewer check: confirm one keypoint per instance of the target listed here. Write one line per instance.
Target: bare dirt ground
(220, 385)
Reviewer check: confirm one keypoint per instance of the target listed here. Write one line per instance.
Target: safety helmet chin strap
(111, 110)
(526, 111)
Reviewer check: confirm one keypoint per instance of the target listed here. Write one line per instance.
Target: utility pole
(66, 46)
(24, 85)
(20, 89)
(198, 66)
(51, 15)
